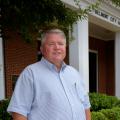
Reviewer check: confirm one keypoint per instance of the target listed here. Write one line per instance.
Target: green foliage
(41, 12)
(117, 104)
(104, 107)
(3, 112)
(106, 114)
(101, 101)
(33, 15)
(116, 2)
(112, 114)
(98, 116)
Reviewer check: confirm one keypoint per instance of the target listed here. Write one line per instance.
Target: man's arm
(17, 116)
(88, 114)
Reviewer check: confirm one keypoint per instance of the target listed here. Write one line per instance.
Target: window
(14, 79)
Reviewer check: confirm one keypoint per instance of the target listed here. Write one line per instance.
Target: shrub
(3, 113)
(117, 104)
(101, 101)
(117, 111)
(111, 114)
(98, 116)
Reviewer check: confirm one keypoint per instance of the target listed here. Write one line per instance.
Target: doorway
(93, 71)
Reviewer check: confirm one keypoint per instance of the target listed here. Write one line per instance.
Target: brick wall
(18, 54)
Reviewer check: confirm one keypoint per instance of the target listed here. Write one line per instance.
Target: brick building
(18, 54)
(94, 52)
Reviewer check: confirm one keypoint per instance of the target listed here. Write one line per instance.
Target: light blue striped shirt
(43, 93)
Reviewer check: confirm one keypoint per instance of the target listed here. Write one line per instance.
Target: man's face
(54, 48)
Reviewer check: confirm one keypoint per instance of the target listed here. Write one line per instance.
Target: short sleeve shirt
(43, 93)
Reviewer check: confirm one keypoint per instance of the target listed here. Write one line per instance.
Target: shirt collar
(51, 65)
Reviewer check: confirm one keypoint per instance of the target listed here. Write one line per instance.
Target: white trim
(2, 80)
(111, 10)
(117, 64)
(113, 19)
(93, 51)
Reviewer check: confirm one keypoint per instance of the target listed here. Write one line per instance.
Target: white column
(79, 50)
(117, 64)
(2, 85)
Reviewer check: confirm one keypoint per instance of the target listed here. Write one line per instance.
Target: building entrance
(93, 72)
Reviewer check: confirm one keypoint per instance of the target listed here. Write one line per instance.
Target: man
(50, 89)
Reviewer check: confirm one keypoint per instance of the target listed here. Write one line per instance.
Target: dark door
(92, 72)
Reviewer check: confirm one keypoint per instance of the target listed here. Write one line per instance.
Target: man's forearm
(88, 114)
(17, 116)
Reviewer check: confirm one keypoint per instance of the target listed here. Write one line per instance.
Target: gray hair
(52, 31)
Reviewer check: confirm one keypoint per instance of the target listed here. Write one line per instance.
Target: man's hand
(88, 114)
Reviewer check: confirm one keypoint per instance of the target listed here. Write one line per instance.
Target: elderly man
(50, 89)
